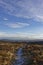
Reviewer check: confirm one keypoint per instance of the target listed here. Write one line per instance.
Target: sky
(21, 19)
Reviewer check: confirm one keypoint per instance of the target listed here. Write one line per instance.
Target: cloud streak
(23, 36)
(17, 25)
(24, 8)
(5, 19)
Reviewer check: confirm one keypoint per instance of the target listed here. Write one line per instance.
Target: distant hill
(24, 41)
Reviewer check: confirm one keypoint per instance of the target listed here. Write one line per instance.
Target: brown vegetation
(32, 52)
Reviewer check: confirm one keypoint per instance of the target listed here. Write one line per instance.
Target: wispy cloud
(17, 25)
(24, 8)
(39, 18)
(26, 36)
(5, 19)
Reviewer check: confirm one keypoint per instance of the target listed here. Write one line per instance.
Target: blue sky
(22, 19)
